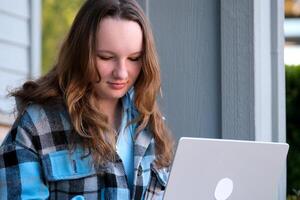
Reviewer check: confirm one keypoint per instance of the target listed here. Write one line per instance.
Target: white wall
(19, 48)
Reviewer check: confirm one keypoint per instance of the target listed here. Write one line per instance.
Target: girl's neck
(113, 110)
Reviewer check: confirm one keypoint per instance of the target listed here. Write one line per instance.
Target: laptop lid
(215, 169)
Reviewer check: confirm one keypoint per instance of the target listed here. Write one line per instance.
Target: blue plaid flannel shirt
(35, 163)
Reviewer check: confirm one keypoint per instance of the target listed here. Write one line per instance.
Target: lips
(117, 85)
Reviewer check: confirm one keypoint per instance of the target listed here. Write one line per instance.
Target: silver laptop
(214, 169)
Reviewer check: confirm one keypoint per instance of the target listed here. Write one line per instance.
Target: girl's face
(119, 50)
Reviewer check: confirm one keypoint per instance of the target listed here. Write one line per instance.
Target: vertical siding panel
(188, 46)
(237, 47)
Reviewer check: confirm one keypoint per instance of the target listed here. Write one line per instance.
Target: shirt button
(140, 171)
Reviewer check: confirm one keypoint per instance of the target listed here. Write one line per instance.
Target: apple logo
(223, 189)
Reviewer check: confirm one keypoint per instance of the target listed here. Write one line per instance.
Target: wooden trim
(35, 46)
(278, 82)
(263, 70)
(278, 72)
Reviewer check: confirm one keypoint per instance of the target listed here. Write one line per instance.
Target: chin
(108, 93)
(118, 95)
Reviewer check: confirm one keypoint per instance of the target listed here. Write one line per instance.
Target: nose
(120, 70)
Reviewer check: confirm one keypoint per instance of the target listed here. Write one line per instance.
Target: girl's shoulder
(42, 118)
(41, 128)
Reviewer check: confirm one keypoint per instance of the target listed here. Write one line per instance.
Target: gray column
(278, 81)
(278, 72)
(253, 85)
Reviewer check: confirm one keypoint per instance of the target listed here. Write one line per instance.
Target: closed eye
(105, 57)
(135, 59)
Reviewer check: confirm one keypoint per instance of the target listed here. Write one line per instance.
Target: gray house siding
(222, 67)
(14, 44)
(189, 49)
(19, 47)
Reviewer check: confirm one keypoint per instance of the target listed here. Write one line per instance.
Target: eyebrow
(110, 52)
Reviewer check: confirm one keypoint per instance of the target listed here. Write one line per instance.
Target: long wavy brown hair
(69, 82)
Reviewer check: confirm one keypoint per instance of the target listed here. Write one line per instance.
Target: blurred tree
(292, 8)
(293, 128)
(57, 17)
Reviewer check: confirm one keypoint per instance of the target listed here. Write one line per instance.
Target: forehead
(119, 36)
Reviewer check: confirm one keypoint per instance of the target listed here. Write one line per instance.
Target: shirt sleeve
(21, 173)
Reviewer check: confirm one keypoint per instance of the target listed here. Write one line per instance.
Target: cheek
(136, 72)
(104, 69)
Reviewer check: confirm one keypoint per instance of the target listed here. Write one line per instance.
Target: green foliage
(57, 17)
(293, 127)
(293, 198)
